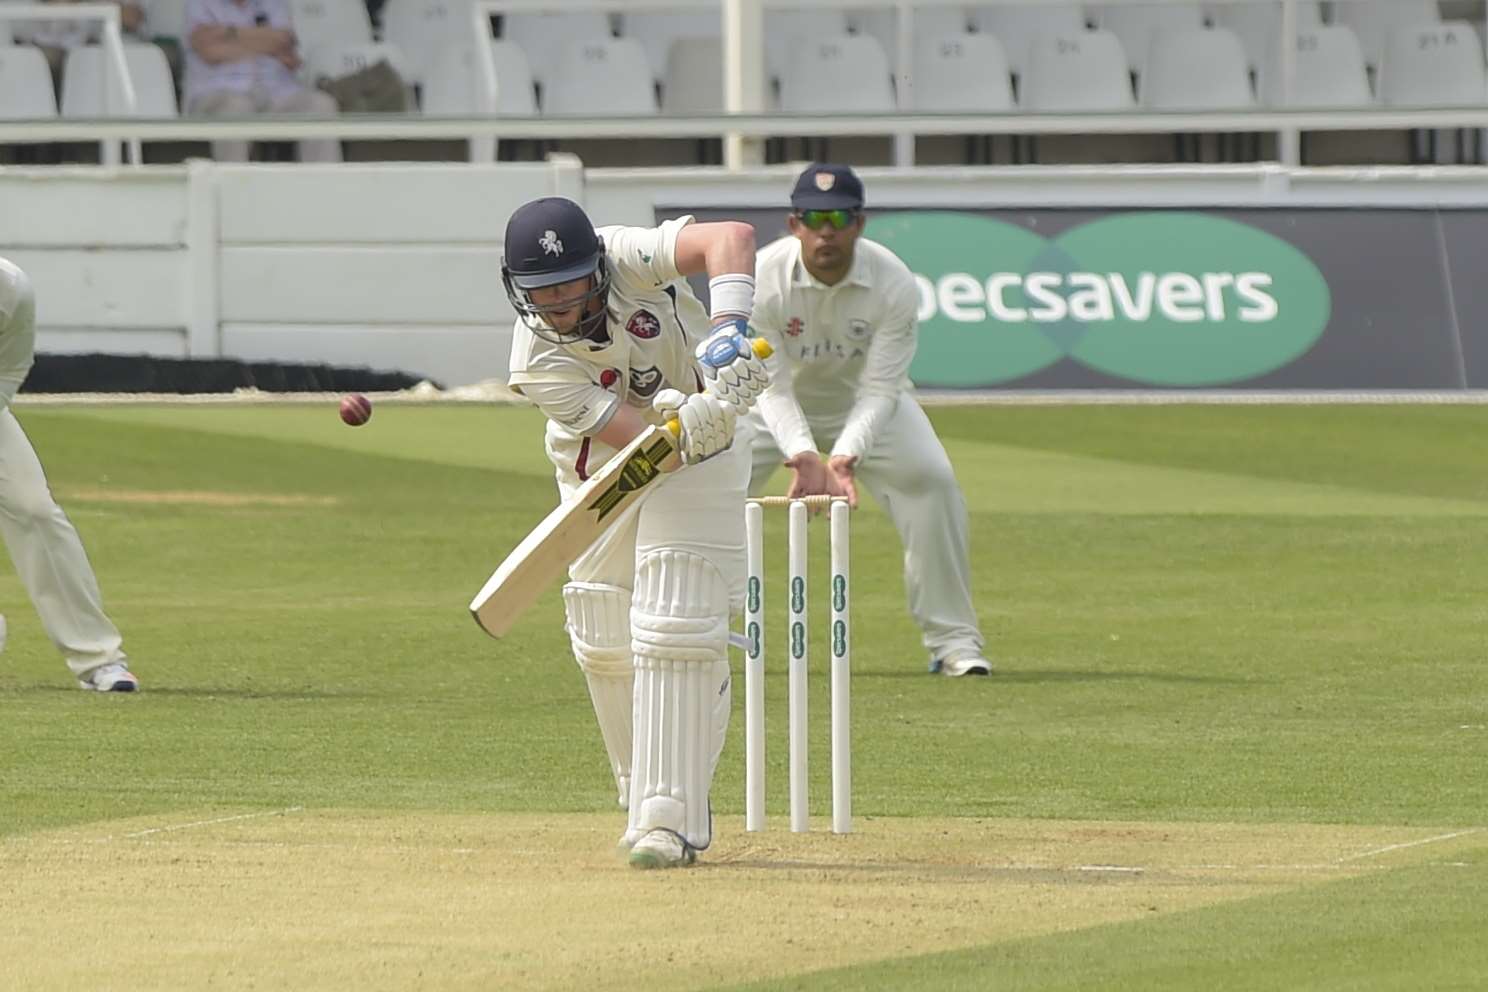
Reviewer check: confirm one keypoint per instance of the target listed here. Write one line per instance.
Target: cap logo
(825, 181)
(549, 243)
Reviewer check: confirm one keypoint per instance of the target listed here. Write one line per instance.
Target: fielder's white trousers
(49, 557)
(910, 475)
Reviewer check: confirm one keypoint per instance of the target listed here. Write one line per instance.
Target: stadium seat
(88, 88)
(788, 29)
(544, 37)
(959, 73)
(847, 74)
(422, 29)
(593, 78)
(693, 82)
(336, 60)
(1259, 25)
(25, 84)
(1203, 69)
(1373, 20)
(930, 24)
(1433, 65)
(1018, 27)
(658, 30)
(1330, 71)
(455, 87)
(1136, 24)
(1077, 72)
(330, 22)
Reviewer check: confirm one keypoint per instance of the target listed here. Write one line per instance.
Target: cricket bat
(543, 555)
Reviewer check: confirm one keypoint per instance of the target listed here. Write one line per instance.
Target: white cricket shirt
(842, 352)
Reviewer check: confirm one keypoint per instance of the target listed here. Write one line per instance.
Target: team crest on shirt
(795, 327)
(645, 382)
(859, 329)
(643, 324)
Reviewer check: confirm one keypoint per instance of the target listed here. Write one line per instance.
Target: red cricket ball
(356, 409)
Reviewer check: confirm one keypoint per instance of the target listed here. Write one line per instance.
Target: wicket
(754, 662)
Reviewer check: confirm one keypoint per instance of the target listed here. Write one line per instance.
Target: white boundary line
(220, 819)
(1414, 843)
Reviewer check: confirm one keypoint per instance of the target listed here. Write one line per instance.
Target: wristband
(731, 294)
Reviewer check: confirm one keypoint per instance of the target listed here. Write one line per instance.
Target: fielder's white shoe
(110, 678)
(661, 848)
(962, 663)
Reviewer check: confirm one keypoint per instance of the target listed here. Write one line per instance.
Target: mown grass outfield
(1237, 737)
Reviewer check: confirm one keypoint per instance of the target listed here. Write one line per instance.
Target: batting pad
(599, 630)
(679, 630)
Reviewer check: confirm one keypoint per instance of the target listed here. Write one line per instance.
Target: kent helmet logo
(1164, 298)
(550, 244)
(644, 325)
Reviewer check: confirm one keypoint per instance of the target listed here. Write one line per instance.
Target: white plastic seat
(334, 61)
(455, 86)
(544, 37)
(965, 73)
(786, 29)
(1433, 65)
(89, 88)
(1330, 71)
(25, 84)
(1019, 26)
(1079, 72)
(658, 30)
(848, 74)
(330, 22)
(1197, 70)
(1259, 25)
(930, 24)
(423, 29)
(594, 78)
(1373, 20)
(693, 81)
(1137, 24)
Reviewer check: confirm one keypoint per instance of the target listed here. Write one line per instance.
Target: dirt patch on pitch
(195, 497)
(335, 900)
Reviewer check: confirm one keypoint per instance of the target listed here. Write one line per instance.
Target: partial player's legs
(910, 475)
(52, 565)
(689, 573)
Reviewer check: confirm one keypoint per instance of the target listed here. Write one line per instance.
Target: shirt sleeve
(644, 256)
(778, 405)
(197, 15)
(561, 386)
(884, 374)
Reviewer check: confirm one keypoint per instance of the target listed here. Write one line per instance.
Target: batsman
(609, 342)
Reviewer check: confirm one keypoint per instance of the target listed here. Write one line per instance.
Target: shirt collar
(857, 273)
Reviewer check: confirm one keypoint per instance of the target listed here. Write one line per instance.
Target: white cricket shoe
(662, 848)
(115, 677)
(962, 663)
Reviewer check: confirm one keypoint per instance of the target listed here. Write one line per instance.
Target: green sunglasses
(840, 219)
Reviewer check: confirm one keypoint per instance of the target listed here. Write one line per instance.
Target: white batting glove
(731, 370)
(707, 424)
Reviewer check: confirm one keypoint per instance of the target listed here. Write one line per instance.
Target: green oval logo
(1161, 298)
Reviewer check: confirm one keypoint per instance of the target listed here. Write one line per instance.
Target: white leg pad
(679, 628)
(599, 629)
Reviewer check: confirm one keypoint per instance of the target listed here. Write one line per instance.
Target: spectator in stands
(43, 544)
(242, 58)
(57, 37)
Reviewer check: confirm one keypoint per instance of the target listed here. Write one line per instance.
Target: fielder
(840, 312)
(46, 550)
(605, 344)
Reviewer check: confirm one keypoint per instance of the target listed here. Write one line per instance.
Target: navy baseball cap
(827, 187)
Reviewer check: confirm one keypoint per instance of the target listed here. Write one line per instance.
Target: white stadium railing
(744, 125)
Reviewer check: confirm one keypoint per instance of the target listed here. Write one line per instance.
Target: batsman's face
(827, 248)
(564, 303)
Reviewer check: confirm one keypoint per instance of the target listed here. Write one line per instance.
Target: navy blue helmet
(548, 242)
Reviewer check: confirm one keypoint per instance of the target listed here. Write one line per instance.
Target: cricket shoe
(661, 848)
(110, 678)
(962, 663)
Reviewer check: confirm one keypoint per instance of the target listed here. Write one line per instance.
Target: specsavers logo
(1168, 299)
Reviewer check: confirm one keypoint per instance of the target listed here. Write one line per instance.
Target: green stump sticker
(1160, 298)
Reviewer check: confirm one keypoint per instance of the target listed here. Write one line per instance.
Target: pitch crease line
(1414, 843)
(220, 819)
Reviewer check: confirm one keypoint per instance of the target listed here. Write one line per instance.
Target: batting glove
(731, 369)
(706, 424)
